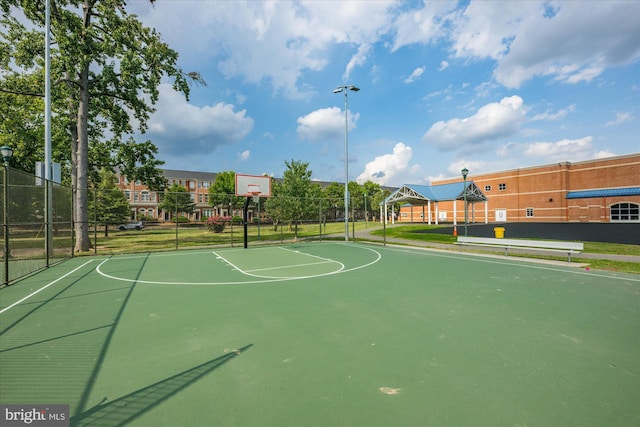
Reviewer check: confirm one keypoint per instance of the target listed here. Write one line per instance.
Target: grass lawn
(409, 232)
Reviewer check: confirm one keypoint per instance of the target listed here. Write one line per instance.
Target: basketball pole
(245, 220)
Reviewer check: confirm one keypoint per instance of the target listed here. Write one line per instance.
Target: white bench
(542, 245)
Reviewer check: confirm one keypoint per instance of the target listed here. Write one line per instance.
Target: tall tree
(107, 68)
(371, 192)
(296, 197)
(223, 190)
(177, 200)
(108, 205)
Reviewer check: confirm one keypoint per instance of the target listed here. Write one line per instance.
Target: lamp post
(346, 89)
(6, 152)
(465, 172)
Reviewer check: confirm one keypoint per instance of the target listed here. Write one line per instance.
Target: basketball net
(256, 196)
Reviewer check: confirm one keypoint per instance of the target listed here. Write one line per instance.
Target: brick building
(604, 190)
(144, 202)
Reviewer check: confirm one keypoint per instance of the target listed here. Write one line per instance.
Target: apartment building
(144, 202)
(603, 190)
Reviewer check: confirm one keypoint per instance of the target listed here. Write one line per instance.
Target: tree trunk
(83, 243)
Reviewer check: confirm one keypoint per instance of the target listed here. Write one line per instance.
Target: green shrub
(217, 224)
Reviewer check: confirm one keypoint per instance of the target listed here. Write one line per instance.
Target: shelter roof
(609, 192)
(421, 194)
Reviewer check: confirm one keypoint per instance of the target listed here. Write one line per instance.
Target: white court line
(265, 280)
(523, 262)
(44, 287)
(247, 272)
(292, 266)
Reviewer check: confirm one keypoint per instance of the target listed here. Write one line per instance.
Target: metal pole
(346, 167)
(465, 205)
(47, 132)
(5, 208)
(176, 213)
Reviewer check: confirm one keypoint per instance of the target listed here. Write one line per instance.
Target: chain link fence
(29, 242)
(150, 227)
(118, 225)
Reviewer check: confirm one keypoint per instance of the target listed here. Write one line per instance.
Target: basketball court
(320, 334)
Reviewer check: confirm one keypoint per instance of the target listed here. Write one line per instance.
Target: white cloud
(492, 121)
(574, 45)
(279, 42)
(484, 29)
(325, 124)
(473, 166)
(392, 169)
(180, 127)
(574, 149)
(244, 156)
(359, 58)
(621, 117)
(548, 115)
(270, 41)
(422, 25)
(443, 66)
(415, 75)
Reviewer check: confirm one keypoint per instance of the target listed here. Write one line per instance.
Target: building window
(625, 212)
(487, 188)
(127, 194)
(136, 196)
(502, 187)
(529, 212)
(144, 196)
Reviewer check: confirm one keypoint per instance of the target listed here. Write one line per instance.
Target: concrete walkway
(366, 235)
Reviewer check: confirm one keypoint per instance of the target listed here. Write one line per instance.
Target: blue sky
(486, 85)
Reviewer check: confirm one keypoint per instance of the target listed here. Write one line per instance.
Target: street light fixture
(346, 89)
(6, 152)
(465, 172)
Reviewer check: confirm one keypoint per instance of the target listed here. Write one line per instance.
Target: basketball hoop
(254, 191)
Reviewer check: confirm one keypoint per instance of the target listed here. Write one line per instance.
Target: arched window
(625, 212)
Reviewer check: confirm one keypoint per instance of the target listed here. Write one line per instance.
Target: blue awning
(610, 192)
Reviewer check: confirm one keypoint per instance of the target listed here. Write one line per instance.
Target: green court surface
(324, 334)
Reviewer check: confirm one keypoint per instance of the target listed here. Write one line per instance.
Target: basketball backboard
(253, 185)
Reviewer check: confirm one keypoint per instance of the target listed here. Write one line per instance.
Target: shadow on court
(52, 349)
(123, 410)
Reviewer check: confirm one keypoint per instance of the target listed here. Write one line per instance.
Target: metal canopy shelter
(421, 195)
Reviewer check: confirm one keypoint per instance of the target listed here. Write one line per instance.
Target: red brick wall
(543, 190)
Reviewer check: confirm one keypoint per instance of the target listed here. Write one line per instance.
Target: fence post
(5, 208)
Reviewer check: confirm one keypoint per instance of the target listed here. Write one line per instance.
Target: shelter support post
(455, 213)
(486, 212)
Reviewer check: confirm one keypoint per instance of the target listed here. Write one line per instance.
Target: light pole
(346, 89)
(6, 152)
(465, 172)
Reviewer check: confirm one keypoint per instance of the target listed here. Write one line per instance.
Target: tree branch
(15, 92)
